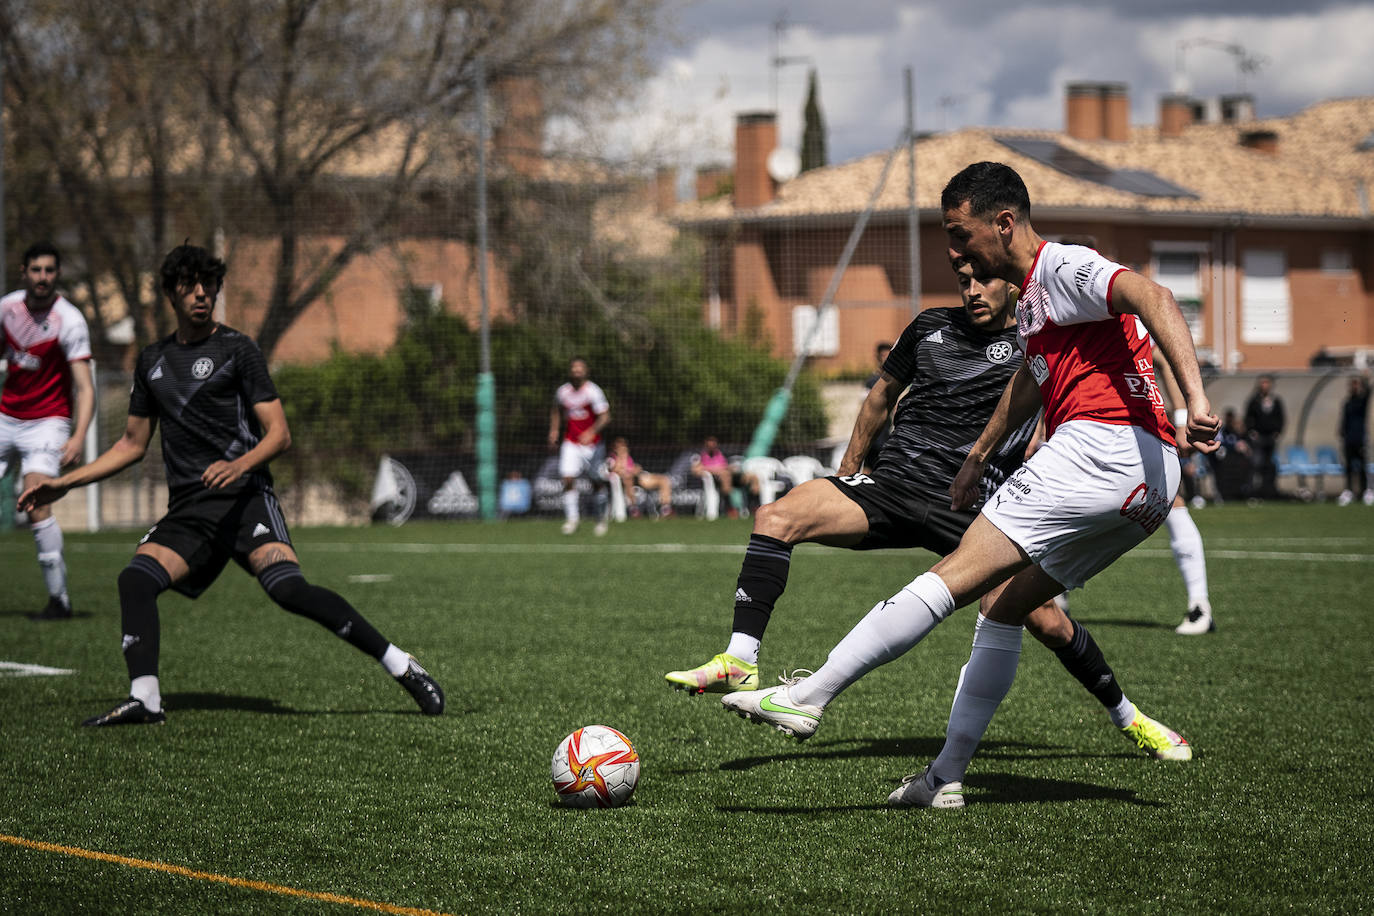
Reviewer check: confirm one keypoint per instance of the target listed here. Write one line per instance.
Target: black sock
(762, 579)
(1084, 660)
(285, 585)
(139, 585)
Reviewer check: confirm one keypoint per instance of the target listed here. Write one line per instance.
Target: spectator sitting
(1231, 467)
(632, 475)
(711, 462)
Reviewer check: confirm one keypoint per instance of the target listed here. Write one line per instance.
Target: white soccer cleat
(916, 792)
(775, 707)
(1198, 622)
(570, 526)
(1345, 499)
(602, 526)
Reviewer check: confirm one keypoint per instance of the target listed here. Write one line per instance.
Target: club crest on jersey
(999, 352)
(202, 367)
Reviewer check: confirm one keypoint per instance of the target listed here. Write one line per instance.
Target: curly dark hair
(988, 187)
(186, 264)
(38, 250)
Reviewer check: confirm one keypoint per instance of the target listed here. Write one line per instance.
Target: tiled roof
(1317, 173)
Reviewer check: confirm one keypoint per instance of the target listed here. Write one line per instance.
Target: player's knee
(777, 520)
(144, 577)
(1051, 626)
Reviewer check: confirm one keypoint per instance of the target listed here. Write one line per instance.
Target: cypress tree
(813, 133)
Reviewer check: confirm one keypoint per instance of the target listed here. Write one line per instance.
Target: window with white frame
(1179, 268)
(1266, 308)
(825, 341)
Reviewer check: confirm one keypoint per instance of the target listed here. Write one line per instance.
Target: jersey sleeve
(1079, 283)
(901, 361)
(254, 380)
(598, 401)
(75, 336)
(141, 402)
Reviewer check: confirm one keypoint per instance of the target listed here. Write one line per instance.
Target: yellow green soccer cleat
(722, 674)
(1157, 740)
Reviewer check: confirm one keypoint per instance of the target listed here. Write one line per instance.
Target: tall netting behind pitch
(367, 293)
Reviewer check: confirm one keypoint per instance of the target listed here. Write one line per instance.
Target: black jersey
(203, 393)
(957, 374)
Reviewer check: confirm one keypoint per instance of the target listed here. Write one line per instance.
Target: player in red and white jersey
(580, 412)
(1100, 484)
(47, 401)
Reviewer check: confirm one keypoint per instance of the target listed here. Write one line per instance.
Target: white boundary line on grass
(20, 669)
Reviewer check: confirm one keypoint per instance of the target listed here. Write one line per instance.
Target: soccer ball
(595, 767)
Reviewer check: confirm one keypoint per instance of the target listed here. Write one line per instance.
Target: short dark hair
(186, 264)
(987, 187)
(38, 250)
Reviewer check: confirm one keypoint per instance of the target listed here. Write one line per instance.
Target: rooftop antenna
(777, 60)
(1246, 63)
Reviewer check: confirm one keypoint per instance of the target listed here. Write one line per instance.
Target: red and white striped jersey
(580, 406)
(39, 349)
(1090, 362)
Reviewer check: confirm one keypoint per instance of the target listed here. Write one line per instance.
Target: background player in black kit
(957, 362)
(222, 422)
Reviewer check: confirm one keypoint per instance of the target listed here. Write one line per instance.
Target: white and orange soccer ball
(595, 767)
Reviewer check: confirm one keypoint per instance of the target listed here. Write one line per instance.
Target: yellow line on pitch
(220, 879)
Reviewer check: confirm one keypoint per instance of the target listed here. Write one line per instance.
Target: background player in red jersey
(581, 412)
(47, 402)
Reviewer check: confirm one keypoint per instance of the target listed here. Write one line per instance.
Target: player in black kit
(222, 422)
(957, 362)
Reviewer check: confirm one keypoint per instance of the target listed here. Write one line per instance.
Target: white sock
(48, 538)
(1186, 543)
(570, 505)
(395, 660)
(145, 688)
(744, 647)
(890, 629)
(983, 682)
(1122, 713)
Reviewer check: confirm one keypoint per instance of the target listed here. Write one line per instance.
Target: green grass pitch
(291, 760)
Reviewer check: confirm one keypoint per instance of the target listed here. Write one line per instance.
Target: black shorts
(901, 514)
(212, 527)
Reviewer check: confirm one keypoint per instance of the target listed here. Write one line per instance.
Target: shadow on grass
(983, 789)
(1136, 624)
(209, 702)
(918, 748)
(30, 612)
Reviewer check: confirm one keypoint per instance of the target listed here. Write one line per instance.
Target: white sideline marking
(603, 549)
(19, 669)
(371, 577)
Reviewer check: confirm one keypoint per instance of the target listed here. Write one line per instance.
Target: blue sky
(977, 62)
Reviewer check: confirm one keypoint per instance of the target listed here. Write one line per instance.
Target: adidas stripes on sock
(1084, 660)
(286, 585)
(762, 579)
(890, 629)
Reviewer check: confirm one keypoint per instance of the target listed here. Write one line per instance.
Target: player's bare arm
(1019, 402)
(128, 449)
(1133, 294)
(873, 413)
(83, 400)
(555, 421)
(588, 436)
(276, 438)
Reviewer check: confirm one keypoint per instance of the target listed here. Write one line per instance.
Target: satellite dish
(783, 164)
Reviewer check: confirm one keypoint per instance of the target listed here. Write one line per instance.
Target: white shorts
(1089, 494)
(577, 460)
(37, 443)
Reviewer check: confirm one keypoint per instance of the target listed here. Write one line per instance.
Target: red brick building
(1262, 229)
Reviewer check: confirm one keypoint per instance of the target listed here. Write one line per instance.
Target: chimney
(1083, 111)
(711, 179)
(756, 134)
(1175, 113)
(1237, 109)
(1116, 112)
(1261, 141)
(518, 138)
(665, 189)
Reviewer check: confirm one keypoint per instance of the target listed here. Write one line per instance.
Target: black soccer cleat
(53, 610)
(129, 712)
(421, 686)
